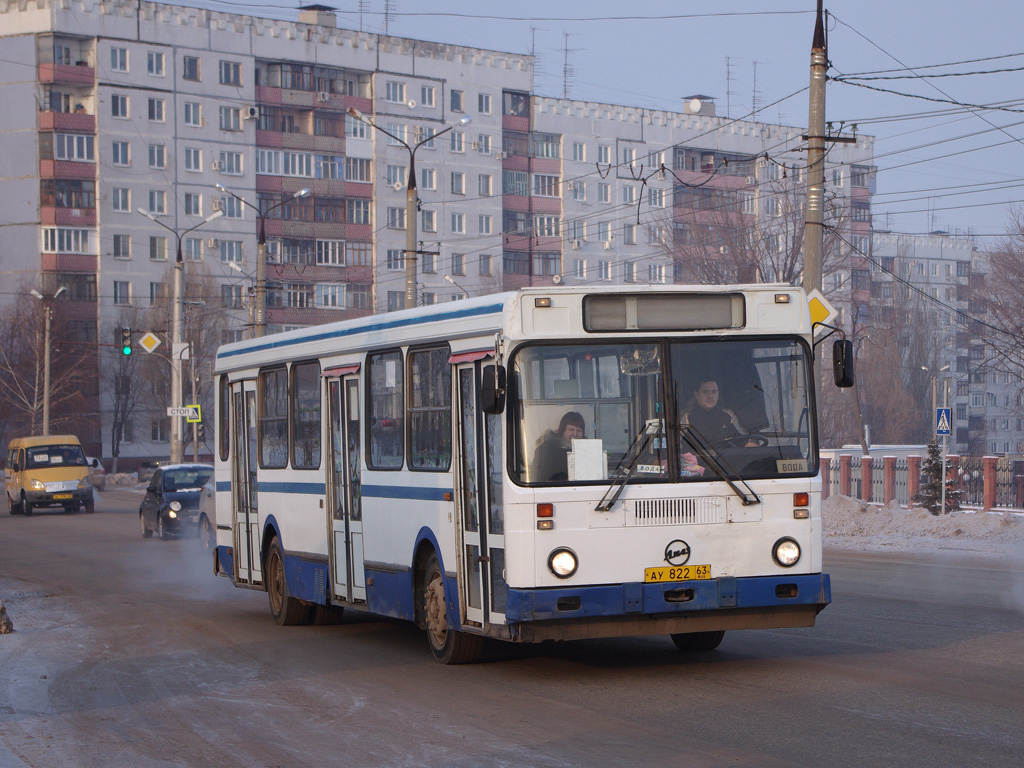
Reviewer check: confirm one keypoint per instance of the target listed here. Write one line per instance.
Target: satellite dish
(695, 105)
(411, 104)
(397, 186)
(556, 279)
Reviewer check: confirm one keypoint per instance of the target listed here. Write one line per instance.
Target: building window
(545, 185)
(396, 218)
(427, 263)
(395, 260)
(547, 264)
(156, 293)
(74, 146)
(458, 224)
(193, 249)
(485, 223)
(230, 250)
(193, 114)
(330, 253)
(458, 101)
(579, 191)
(122, 293)
(656, 273)
(458, 264)
(330, 296)
(193, 159)
(121, 199)
(629, 271)
(483, 103)
(232, 207)
(629, 234)
(230, 119)
(158, 248)
(358, 254)
(458, 141)
(484, 185)
(394, 92)
(355, 128)
(428, 96)
(357, 211)
(157, 201)
(579, 269)
(579, 152)
(656, 198)
(357, 169)
(119, 106)
(231, 296)
(190, 68)
(230, 73)
(119, 59)
(604, 193)
(629, 194)
(157, 156)
(546, 226)
(485, 265)
(122, 247)
(193, 204)
(483, 143)
(395, 175)
(604, 153)
(155, 63)
(458, 183)
(231, 163)
(429, 221)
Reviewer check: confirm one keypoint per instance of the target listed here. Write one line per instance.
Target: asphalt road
(130, 652)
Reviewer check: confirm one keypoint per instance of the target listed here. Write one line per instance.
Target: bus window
(306, 415)
(430, 409)
(274, 418)
(386, 410)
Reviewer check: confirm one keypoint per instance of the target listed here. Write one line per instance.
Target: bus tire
(286, 610)
(327, 615)
(695, 642)
(447, 645)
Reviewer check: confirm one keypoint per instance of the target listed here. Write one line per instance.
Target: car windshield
(54, 456)
(191, 479)
(583, 412)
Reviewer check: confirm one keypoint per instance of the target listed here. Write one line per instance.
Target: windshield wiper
(717, 462)
(629, 461)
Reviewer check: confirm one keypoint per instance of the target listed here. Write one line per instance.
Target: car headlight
(85, 482)
(562, 562)
(175, 506)
(786, 552)
(36, 485)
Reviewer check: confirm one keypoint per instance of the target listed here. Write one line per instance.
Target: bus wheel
(697, 641)
(286, 610)
(447, 645)
(327, 615)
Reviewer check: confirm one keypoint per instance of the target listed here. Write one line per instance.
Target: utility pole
(815, 220)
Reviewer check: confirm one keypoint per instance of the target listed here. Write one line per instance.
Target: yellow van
(48, 471)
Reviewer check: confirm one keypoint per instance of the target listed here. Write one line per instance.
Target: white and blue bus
(552, 463)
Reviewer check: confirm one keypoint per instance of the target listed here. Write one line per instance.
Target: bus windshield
(662, 411)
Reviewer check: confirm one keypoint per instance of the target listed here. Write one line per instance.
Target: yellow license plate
(676, 573)
(59, 496)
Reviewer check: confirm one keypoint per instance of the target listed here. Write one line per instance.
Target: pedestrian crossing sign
(943, 417)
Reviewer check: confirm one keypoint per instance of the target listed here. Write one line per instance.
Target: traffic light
(200, 432)
(126, 341)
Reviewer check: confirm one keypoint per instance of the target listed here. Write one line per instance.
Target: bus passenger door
(343, 484)
(244, 498)
(480, 528)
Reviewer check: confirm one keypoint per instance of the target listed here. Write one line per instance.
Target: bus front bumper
(635, 608)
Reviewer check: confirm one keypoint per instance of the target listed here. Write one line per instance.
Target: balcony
(75, 122)
(66, 169)
(67, 217)
(67, 74)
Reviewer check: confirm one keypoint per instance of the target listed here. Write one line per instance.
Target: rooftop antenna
(755, 96)
(568, 72)
(728, 87)
(389, 8)
(364, 7)
(538, 58)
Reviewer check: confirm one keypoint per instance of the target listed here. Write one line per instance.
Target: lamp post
(261, 254)
(410, 199)
(177, 311)
(48, 313)
(465, 293)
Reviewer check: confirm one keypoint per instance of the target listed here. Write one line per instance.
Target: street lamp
(465, 293)
(410, 199)
(176, 346)
(48, 311)
(261, 253)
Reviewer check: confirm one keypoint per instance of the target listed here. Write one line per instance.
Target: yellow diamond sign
(821, 310)
(150, 341)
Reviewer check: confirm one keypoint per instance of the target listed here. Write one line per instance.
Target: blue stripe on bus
(223, 486)
(525, 605)
(314, 489)
(339, 333)
(405, 492)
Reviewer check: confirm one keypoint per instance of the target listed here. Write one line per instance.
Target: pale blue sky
(935, 170)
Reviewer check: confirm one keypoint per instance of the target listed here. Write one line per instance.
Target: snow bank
(853, 524)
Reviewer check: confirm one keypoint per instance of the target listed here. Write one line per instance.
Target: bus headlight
(786, 552)
(562, 562)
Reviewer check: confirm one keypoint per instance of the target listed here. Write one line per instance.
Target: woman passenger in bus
(551, 460)
(717, 425)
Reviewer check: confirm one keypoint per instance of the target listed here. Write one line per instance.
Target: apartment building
(308, 136)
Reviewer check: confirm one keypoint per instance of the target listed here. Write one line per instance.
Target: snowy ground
(853, 524)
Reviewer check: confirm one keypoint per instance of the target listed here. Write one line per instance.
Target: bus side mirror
(492, 389)
(842, 363)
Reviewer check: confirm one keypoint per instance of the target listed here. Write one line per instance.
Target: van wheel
(26, 506)
(12, 508)
(90, 507)
(447, 645)
(286, 610)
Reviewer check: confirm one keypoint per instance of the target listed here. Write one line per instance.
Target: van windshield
(44, 456)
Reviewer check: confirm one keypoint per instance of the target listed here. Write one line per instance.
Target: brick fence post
(913, 478)
(865, 478)
(845, 462)
(989, 493)
(826, 476)
(889, 463)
